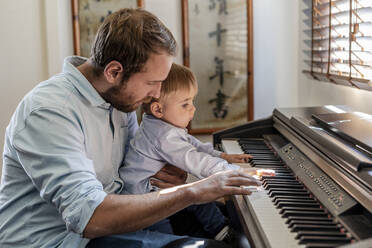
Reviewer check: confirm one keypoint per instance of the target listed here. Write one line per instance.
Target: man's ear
(156, 109)
(113, 71)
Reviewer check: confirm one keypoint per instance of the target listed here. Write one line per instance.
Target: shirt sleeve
(178, 151)
(203, 147)
(51, 150)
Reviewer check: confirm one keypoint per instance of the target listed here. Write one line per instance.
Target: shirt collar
(81, 83)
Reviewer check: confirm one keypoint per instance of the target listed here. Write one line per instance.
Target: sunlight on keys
(253, 188)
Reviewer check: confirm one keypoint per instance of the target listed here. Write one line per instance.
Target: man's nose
(155, 93)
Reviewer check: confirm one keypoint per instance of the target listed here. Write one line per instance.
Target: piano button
(307, 218)
(300, 227)
(289, 213)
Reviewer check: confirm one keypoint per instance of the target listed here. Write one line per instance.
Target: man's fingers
(160, 184)
(243, 181)
(173, 169)
(265, 172)
(231, 190)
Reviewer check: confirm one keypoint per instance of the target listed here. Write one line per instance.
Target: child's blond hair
(179, 78)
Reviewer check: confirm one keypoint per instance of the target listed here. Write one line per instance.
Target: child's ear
(156, 109)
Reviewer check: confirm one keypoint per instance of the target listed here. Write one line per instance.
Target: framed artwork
(87, 17)
(218, 43)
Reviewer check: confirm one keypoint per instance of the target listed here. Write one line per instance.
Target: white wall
(169, 12)
(315, 93)
(275, 45)
(23, 54)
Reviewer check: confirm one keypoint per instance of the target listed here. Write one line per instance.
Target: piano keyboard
(286, 211)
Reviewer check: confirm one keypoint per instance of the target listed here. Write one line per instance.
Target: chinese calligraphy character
(196, 9)
(219, 70)
(222, 6)
(220, 111)
(217, 33)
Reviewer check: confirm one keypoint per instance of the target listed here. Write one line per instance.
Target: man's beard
(121, 102)
(114, 97)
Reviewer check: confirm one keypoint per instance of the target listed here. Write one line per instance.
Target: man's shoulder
(55, 92)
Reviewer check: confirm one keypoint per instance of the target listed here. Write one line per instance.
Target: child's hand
(236, 158)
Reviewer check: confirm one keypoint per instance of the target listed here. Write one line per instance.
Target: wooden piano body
(322, 194)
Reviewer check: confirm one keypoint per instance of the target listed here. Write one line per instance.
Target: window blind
(340, 42)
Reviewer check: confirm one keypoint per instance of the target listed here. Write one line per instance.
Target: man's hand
(236, 158)
(169, 176)
(227, 183)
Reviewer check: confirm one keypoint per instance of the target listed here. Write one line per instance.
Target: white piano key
(231, 147)
(273, 228)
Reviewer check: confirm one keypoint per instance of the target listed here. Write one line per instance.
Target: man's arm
(126, 213)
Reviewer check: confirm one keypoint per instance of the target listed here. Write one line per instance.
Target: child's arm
(236, 158)
(176, 149)
(203, 147)
(208, 148)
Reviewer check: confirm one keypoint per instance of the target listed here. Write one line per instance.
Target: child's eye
(185, 105)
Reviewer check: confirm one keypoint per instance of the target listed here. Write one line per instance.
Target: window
(340, 42)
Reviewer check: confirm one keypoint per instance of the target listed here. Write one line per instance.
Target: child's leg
(210, 217)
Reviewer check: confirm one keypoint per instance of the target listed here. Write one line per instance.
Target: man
(67, 139)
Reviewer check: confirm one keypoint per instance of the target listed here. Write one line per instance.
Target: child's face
(178, 107)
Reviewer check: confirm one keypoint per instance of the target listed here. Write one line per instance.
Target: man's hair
(129, 36)
(179, 78)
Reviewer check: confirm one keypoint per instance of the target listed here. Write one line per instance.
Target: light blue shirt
(157, 143)
(63, 149)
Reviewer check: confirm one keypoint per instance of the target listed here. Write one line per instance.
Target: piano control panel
(323, 187)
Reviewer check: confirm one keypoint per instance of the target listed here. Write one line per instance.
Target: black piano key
(276, 180)
(330, 227)
(287, 197)
(293, 213)
(314, 210)
(309, 222)
(315, 218)
(257, 152)
(255, 148)
(321, 245)
(274, 193)
(263, 166)
(281, 186)
(265, 157)
(280, 177)
(297, 204)
(287, 190)
(323, 239)
(317, 233)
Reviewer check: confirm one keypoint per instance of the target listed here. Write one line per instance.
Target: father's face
(141, 86)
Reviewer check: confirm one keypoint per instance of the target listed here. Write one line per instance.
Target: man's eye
(185, 105)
